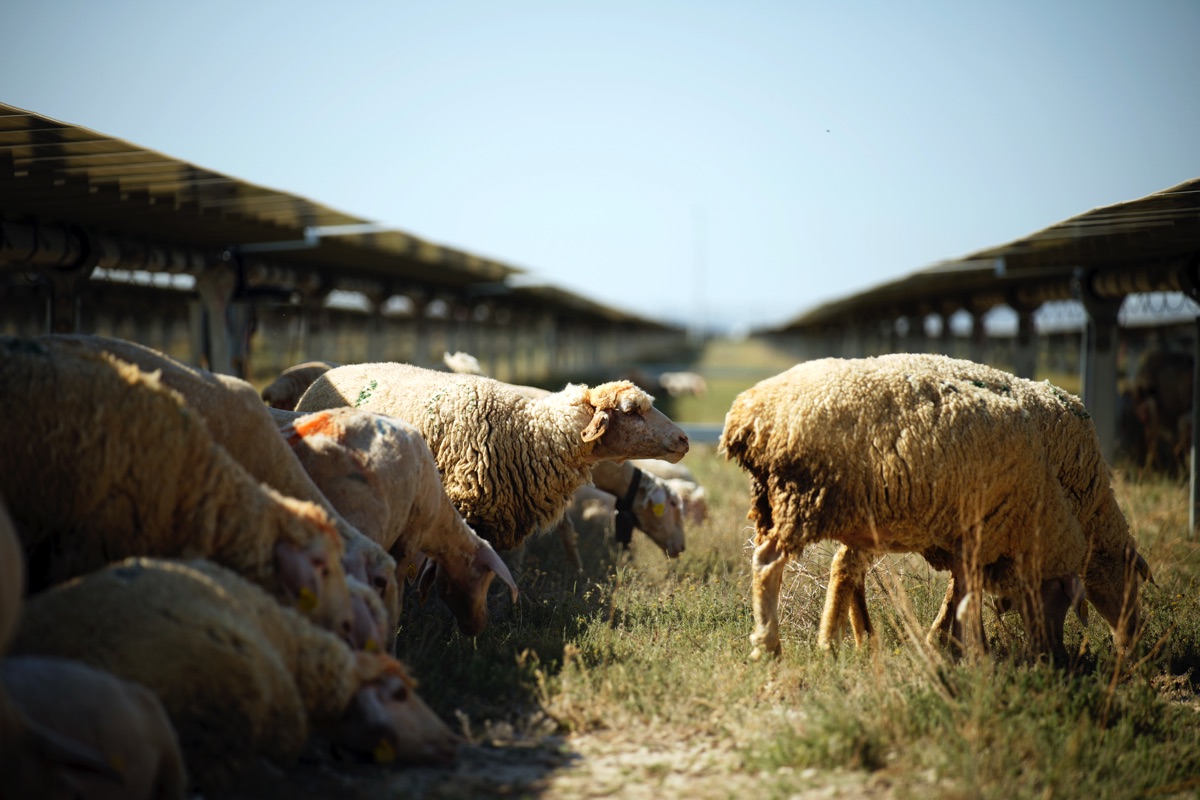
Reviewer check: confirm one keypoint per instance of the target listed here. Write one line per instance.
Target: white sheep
(285, 390)
(462, 363)
(243, 426)
(379, 472)
(985, 474)
(105, 462)
(681, 479)
(643, 500)
(509, 463)
(239, 674)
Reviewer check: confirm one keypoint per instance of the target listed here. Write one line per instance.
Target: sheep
(379, 471)
(462, 363)
(69, 729)
(239, 675)
(239, 422)
(101, 461)
(683, 384)
(643, 499)
(121, 722)
(974, 468)
(284, 391)
(683, 482)
(508, 463)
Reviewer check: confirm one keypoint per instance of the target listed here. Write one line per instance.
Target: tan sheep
(239, 674)
(509, 463)
(983, 473)
(380, 473)
(681, 479)
(284, 391)
(68, 730)
(122, 722)
(238, 420)
(106, 463)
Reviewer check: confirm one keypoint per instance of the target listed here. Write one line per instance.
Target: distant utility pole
(699, 224)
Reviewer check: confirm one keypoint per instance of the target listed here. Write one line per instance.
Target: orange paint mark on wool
(319, 424)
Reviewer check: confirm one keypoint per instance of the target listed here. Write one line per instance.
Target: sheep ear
(596, 427)
(425, 580)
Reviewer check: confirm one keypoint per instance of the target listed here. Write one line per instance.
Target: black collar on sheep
(625, 519)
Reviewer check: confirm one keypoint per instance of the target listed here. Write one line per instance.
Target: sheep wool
(965, 464)
(509, 463)
(107, 463)
(238, 674)
(243, 426)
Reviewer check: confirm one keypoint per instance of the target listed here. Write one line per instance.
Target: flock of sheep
(194, 578)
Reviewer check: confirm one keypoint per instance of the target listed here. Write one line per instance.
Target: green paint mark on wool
(365, 394)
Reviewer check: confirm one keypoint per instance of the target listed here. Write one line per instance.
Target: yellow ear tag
(411, 572)
(371, 646)
(658, 509)
(384, 752)
(307, 600)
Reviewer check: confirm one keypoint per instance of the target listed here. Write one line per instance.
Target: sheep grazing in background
(644, 501)
(996, 478)
(238, 674)
(462, 363)
(683, 384)
(683, 482)
(243, 426)
(380, 473)
(509, 463)
(283, 392)
(103, 462)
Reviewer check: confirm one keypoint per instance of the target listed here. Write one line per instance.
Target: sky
(718, 164)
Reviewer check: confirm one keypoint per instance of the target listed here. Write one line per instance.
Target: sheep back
(909, 453)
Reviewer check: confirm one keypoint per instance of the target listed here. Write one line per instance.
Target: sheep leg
(769, 563)
(845, 598)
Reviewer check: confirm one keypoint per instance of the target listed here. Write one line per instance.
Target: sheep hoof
(760, 652)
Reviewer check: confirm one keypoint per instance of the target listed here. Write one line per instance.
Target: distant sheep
(981, 472)
(509, 463)
(380, 473)
(683, 384)
(238, 674)
(284, 391)
(105, 462)
(243, 426)
(462, 363)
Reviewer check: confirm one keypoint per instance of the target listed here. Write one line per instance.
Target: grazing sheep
(284, 391)
(462, 363)
(983, 473)
(644, 500)
(681, 479)
(122, 722)
(380, 473)
(103, 462)
(239, 674)
(509, 463)
(239, 422)
(683, 384)
(70, 730)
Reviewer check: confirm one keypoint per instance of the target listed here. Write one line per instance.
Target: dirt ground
(635, 764)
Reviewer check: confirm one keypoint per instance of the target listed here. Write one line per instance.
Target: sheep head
(659, 512)
(461, 578)
(308, 567)
(1112, 588)
(388, 722)
(625, 424)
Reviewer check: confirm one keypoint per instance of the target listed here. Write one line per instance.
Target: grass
(657, 650)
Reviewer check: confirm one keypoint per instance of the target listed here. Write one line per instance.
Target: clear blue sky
(735, 162)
